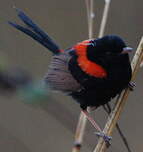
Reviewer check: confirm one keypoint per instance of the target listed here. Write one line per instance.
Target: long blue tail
(35, 32)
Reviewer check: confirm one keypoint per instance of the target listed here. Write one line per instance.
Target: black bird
(92, 71)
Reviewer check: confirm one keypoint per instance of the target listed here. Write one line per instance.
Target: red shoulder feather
(85, 64)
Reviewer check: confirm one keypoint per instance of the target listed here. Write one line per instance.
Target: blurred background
(50, 126)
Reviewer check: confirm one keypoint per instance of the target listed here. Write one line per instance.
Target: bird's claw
(131, 86)
(104, 136)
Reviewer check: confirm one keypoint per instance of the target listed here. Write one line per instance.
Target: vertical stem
(79, 133)
(90, 16)
(104, 18)
(87, 3)
(141, 65)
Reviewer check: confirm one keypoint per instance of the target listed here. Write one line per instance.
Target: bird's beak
(127, 50)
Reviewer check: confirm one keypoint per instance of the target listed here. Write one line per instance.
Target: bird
(92, 72)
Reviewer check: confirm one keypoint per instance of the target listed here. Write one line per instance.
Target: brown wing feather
(59, 76)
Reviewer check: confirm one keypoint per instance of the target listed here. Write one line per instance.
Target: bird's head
(110, 44)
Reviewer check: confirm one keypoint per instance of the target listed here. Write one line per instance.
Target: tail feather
(33, 26)
(34, 36)
(35, 32)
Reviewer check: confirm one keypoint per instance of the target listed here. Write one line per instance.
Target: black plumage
(99, 91)
(65, 73)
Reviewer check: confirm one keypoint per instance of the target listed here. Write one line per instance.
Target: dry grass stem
(104, 18)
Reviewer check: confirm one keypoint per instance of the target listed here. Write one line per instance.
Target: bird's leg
(131, 85)
(96, 126)
(92, 121)
(90, 109)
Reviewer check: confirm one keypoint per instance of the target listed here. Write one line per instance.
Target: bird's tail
(35, 32)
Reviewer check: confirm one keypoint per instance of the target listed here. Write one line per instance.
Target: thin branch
(124, 139)
(114, 116)
(91, 19)
(79, 133)
(104, 18)
(87, 4)
(141, 65)
(90, 16)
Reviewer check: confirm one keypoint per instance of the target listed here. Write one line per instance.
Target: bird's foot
(100, 133)
(106, 138)
(131, 86)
